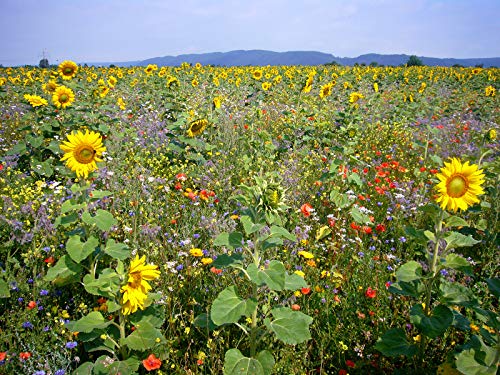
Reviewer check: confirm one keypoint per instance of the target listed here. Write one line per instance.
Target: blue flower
(60, 372)
(44, 292)
(71, 344)
(39, 372)
(28, 325)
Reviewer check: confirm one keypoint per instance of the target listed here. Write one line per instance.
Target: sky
(131, 30)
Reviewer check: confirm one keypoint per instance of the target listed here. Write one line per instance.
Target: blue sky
(127, 30)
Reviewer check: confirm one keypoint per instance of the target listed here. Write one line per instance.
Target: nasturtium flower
(67, 69)
(196, 127)
(135, 292)
(459, 185)
(82, 151)
(35, 100)
(63, 96)
(151, 363)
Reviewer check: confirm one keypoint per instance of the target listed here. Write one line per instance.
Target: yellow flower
(266, 86)
(206, 261)
(82, 151)
(492, 134)
(300, 273)
(112, 81)
(103, 91)
(194, 82)
(326, 90)
(459, 185)
(67, 69)
(306, 254)
(196, 252)
(35, 100)
(150, 69)
(63, 97)
(257, 74)
(217, 102)
(2, 81)
(196, 127)
(490, 91)
(121, 103)
(135, 292)
(50, 87)
(354, 97)
(375, 87)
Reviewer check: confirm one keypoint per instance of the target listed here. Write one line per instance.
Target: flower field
(249, 220)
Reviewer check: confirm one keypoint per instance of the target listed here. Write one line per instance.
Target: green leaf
(479, 360)
(322, 232)
(460, 322)
(459, 263)
(340, 200)
(494, 286)
(78, 250)
(153, 314)
(434, 325)
(84, 369)
(455, 239)
(291, 327)
(409, 271)
(228, 307)
(225, 260)
(354, 177)
(113, 306)
(273, 276)
(19, 148)
(107, 285)
(230, 240)
(144, 337)
(249, 226)
(358, 216)
(105, 365)
(394, 343)
(103, 219)
(272, 242)
(455, 221)
(117, 250)
(65, 271)
(277, 231)
(66, 220)
(4, 289)
(266, 359)
(94, 320)
(417, 235)
(236, 363)
(68, 206)
(456, 294)
(203, 321)
(294, 282)
(98, 194)
(413, 288)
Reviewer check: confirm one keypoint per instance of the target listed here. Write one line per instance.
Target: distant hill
(262, 57)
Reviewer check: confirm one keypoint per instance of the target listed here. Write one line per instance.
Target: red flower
(49, 260)
(367, 230)
(151, 363)
(216, 271)
(24, 355)
(306, 209)
(371, 293)
(305, 291)
(3, 355)
(181, 176)
(342, 372)
(1, 167)
(355, 226)
(380, 228)
(31, 305)
(350, 363)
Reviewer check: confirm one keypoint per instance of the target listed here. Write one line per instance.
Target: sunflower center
(63, 98)
(197, 126)
(137, 280)
(457, 186)
(84, 154)
(68, 71)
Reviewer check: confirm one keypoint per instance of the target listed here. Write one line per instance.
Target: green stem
(253, 329)
(123, 350)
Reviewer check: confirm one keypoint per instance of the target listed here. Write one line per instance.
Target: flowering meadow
(249, 220)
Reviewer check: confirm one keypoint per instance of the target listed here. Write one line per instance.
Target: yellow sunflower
(35, 100)
(257, 74)
(354, 97)
(67, 69)
(63, 96)
(135, 292)
(326, 90)
(459, 185)
(196, 127)
(82, 151)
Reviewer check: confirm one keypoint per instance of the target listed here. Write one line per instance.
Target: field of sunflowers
(249, 220)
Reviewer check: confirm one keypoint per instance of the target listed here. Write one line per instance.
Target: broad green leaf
(358, 216)
(459, 263)
(78, 250)
(291, 327)
(294, 282)
(354, 177)
(94, 320)
(107, 285)
(66, 220)
(455, 221)
(322, 232)
(277, 231)
(250, 306)
(249, 226)
(68, 206)
(232, 240)
(154, 314)
(126, 367)
(455, 239)
(266, 359)
(65, 271)
(98, 194)
(460, 322)
(340, 200)
(409, 271)
(203, 321)
(236, 363)
(225, 260)
(144, 337)
(494, 286)
(19, 148)
(113, 306)
(228, 307)
(478, 360)
(84, 369)
(394, 343)
(272, 242)
(434, 325)
(117, 250)
(103, 219)
(4, 289)
(273, 275)
(456, 294)
(413, 288)
(417, 235)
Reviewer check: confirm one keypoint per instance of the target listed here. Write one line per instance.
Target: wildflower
(215, 271)
(71, 345)
(295, 307)
(31, 305)
(28, 325)
(342, 346)
(306, 209)
(67, 69)
(60, 372)
(459, 185)
(354, 97)
(300, 273)
(350, 363)
(196, 127)
(196, 252)
(136, 290)
(39, 372)
(82, 151)
(151, 363)
(217, 102)
(370, 293)
(305, 291)
(206, 261)
(306, 254)
(63, 97)
(490, 91)
(24, 356)
(3, 355)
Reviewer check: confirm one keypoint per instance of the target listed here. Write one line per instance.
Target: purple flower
(71, 344)
(44, 292)
(60, 372)
(28, 325)
(39, 372)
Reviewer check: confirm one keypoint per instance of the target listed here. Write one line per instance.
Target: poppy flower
(305, 291)
(370, 293)
(350, 363)
(151, 363)
(3, 355)
(24, 355)
(295, 307)
(31, 305)
(306, 209)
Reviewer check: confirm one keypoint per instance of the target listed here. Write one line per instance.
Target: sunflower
(63, 97)
(326, 90)
(354, 97)
(67, 69)
(459, 185)
(50, 87)
(82, 151)
(196, 127)
(35, 100)
(135, 292)
(257, 74)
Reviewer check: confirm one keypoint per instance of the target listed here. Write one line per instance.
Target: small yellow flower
(300, 273)
(206, 261)
(196, 252)
(306, 254)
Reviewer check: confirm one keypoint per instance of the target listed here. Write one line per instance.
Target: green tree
(414, 61)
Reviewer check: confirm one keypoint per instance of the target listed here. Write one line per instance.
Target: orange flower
(152, 363)
(24, 355)
(3, 355)
(295, 307)
(31, 305)
(306, 209)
